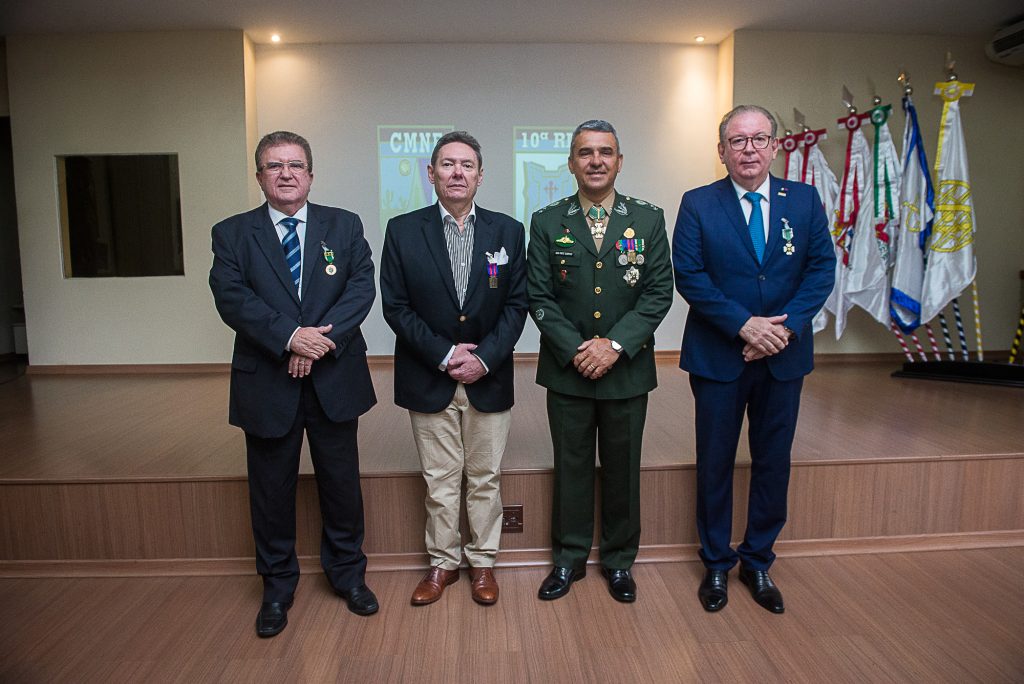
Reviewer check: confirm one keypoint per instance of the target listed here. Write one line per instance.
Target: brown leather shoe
(432, 585)
(485, 587)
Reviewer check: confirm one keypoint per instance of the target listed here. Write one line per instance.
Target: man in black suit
(294, 280)
(453, 287)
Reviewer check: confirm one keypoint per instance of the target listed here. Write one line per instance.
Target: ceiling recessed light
(275, 38)
(699, 39)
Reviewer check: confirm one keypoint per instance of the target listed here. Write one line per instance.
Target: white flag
(867, 283)
(795, 164)
(951, 264)
(859, 266)
(824, 180)
(917, 200)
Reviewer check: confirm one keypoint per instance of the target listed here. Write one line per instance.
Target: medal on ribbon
(329, 258)
(787, 234)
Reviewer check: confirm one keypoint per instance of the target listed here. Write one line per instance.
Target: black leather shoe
(714, 590)
(763, 589)
(558, 583)
(620, 584)
(272, 619)
(360, 600)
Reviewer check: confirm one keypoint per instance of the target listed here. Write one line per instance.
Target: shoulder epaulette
(641, 203)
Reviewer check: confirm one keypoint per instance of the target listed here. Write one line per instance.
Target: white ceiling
(518, 21)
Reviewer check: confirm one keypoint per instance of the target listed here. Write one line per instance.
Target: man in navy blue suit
(754, 260)
(453, 288)
(294, 280)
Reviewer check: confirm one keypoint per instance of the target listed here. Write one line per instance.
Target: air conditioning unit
(1007, 45)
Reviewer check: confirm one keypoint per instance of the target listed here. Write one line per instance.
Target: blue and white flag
(917, 200)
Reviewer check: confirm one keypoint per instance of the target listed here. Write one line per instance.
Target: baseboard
(389, 562)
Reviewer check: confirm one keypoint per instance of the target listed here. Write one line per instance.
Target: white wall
(180, 93)
(661, 98)
(782, 70)
(208, 95)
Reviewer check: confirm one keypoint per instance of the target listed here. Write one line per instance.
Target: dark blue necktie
(292, 250)
(756, 224)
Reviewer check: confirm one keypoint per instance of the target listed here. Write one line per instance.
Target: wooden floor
(103, 427)
(918, 617)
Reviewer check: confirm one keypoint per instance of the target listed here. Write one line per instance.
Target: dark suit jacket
(578, 292)
(717, 273)
(254, 295)
(419, 301)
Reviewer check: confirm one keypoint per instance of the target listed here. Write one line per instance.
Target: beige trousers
(461, 440)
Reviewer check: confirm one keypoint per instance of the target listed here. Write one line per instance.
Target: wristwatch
(616, 347)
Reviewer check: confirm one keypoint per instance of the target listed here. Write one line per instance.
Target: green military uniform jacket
(578, 293)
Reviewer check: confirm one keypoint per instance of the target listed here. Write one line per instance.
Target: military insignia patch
(565, 240)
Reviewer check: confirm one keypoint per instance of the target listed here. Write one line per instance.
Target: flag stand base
(981, 372)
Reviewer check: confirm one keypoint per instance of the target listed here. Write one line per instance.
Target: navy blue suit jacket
(717, 273)
(420, 304)
(254, 294)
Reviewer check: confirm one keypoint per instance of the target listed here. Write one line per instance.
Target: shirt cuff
(486, 369)
(444, 362)
(288, 347)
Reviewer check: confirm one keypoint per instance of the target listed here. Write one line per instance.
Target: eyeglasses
(760, 142)
(276, 167)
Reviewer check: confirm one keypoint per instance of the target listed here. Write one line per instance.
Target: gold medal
(331, 269)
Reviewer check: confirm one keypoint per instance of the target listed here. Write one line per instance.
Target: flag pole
(903, 343)
(977, 318)
(1016, 337)
(960, 328)
(931, 338)
(945, 336)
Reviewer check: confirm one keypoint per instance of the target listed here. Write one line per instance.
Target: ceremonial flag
(950, 263)
(794, 159)
(917, 202)
(867, 282)
(853, 232)
(823, 179)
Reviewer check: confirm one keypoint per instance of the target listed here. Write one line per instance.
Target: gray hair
(283, 138)
(745, 109)
(458, 137)
(599, 125)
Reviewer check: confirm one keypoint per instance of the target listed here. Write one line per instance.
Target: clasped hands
(595, 358)
(464, 366)
(308, 345)
(764, 336)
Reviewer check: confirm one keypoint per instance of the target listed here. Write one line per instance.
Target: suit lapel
(316, 231)
(270, 244)
(433, 235)
(731, 207)
(777, 204)
(483, 241)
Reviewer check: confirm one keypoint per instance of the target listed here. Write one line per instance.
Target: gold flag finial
(950, 67)
(904, 80)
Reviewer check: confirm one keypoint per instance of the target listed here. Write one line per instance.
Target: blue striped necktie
(756, 224)
(292, 250)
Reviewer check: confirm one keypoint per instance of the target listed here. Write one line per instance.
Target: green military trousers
(615, 427)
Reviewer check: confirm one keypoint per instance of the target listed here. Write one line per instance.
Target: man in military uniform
(600, 283)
